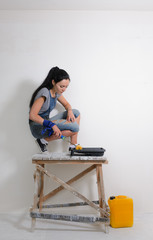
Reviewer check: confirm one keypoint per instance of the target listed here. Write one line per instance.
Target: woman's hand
(70, 116)
(67, 106)
(56, 132)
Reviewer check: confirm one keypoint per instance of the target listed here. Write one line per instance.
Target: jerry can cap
(112, 197)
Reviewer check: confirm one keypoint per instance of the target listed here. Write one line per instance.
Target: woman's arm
(67, 106)
(33, 115)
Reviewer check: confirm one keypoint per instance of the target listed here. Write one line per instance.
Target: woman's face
(61, 86)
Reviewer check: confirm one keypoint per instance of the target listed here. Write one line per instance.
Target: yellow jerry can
(121, 211)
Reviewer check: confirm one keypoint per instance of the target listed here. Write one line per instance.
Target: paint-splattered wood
(71, 218)
(72, 190)
(61, 205)
(58, 189)
(60, 158)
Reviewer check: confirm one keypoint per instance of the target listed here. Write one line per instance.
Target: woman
(43, 101)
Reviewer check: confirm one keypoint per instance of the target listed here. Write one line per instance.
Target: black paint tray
(87, 152)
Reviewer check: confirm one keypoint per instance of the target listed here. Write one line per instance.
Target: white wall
(109, 56)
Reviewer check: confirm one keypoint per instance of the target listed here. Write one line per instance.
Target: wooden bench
(37, 210)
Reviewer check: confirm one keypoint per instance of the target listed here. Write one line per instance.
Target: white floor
(18, 227)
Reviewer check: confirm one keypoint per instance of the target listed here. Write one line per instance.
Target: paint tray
(87, 152)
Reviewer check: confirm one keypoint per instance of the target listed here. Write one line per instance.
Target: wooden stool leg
(100, 185)
(36, 195)
(107, 227)
(41, 189)
(33, 223)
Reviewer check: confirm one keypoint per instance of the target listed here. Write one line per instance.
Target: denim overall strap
(51, 107)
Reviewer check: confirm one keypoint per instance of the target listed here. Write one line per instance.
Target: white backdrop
(109, 56)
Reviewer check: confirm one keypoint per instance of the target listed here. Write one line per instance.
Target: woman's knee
(75, 127)
(76, 112)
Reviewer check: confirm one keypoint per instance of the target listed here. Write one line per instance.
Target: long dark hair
(55, 74)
